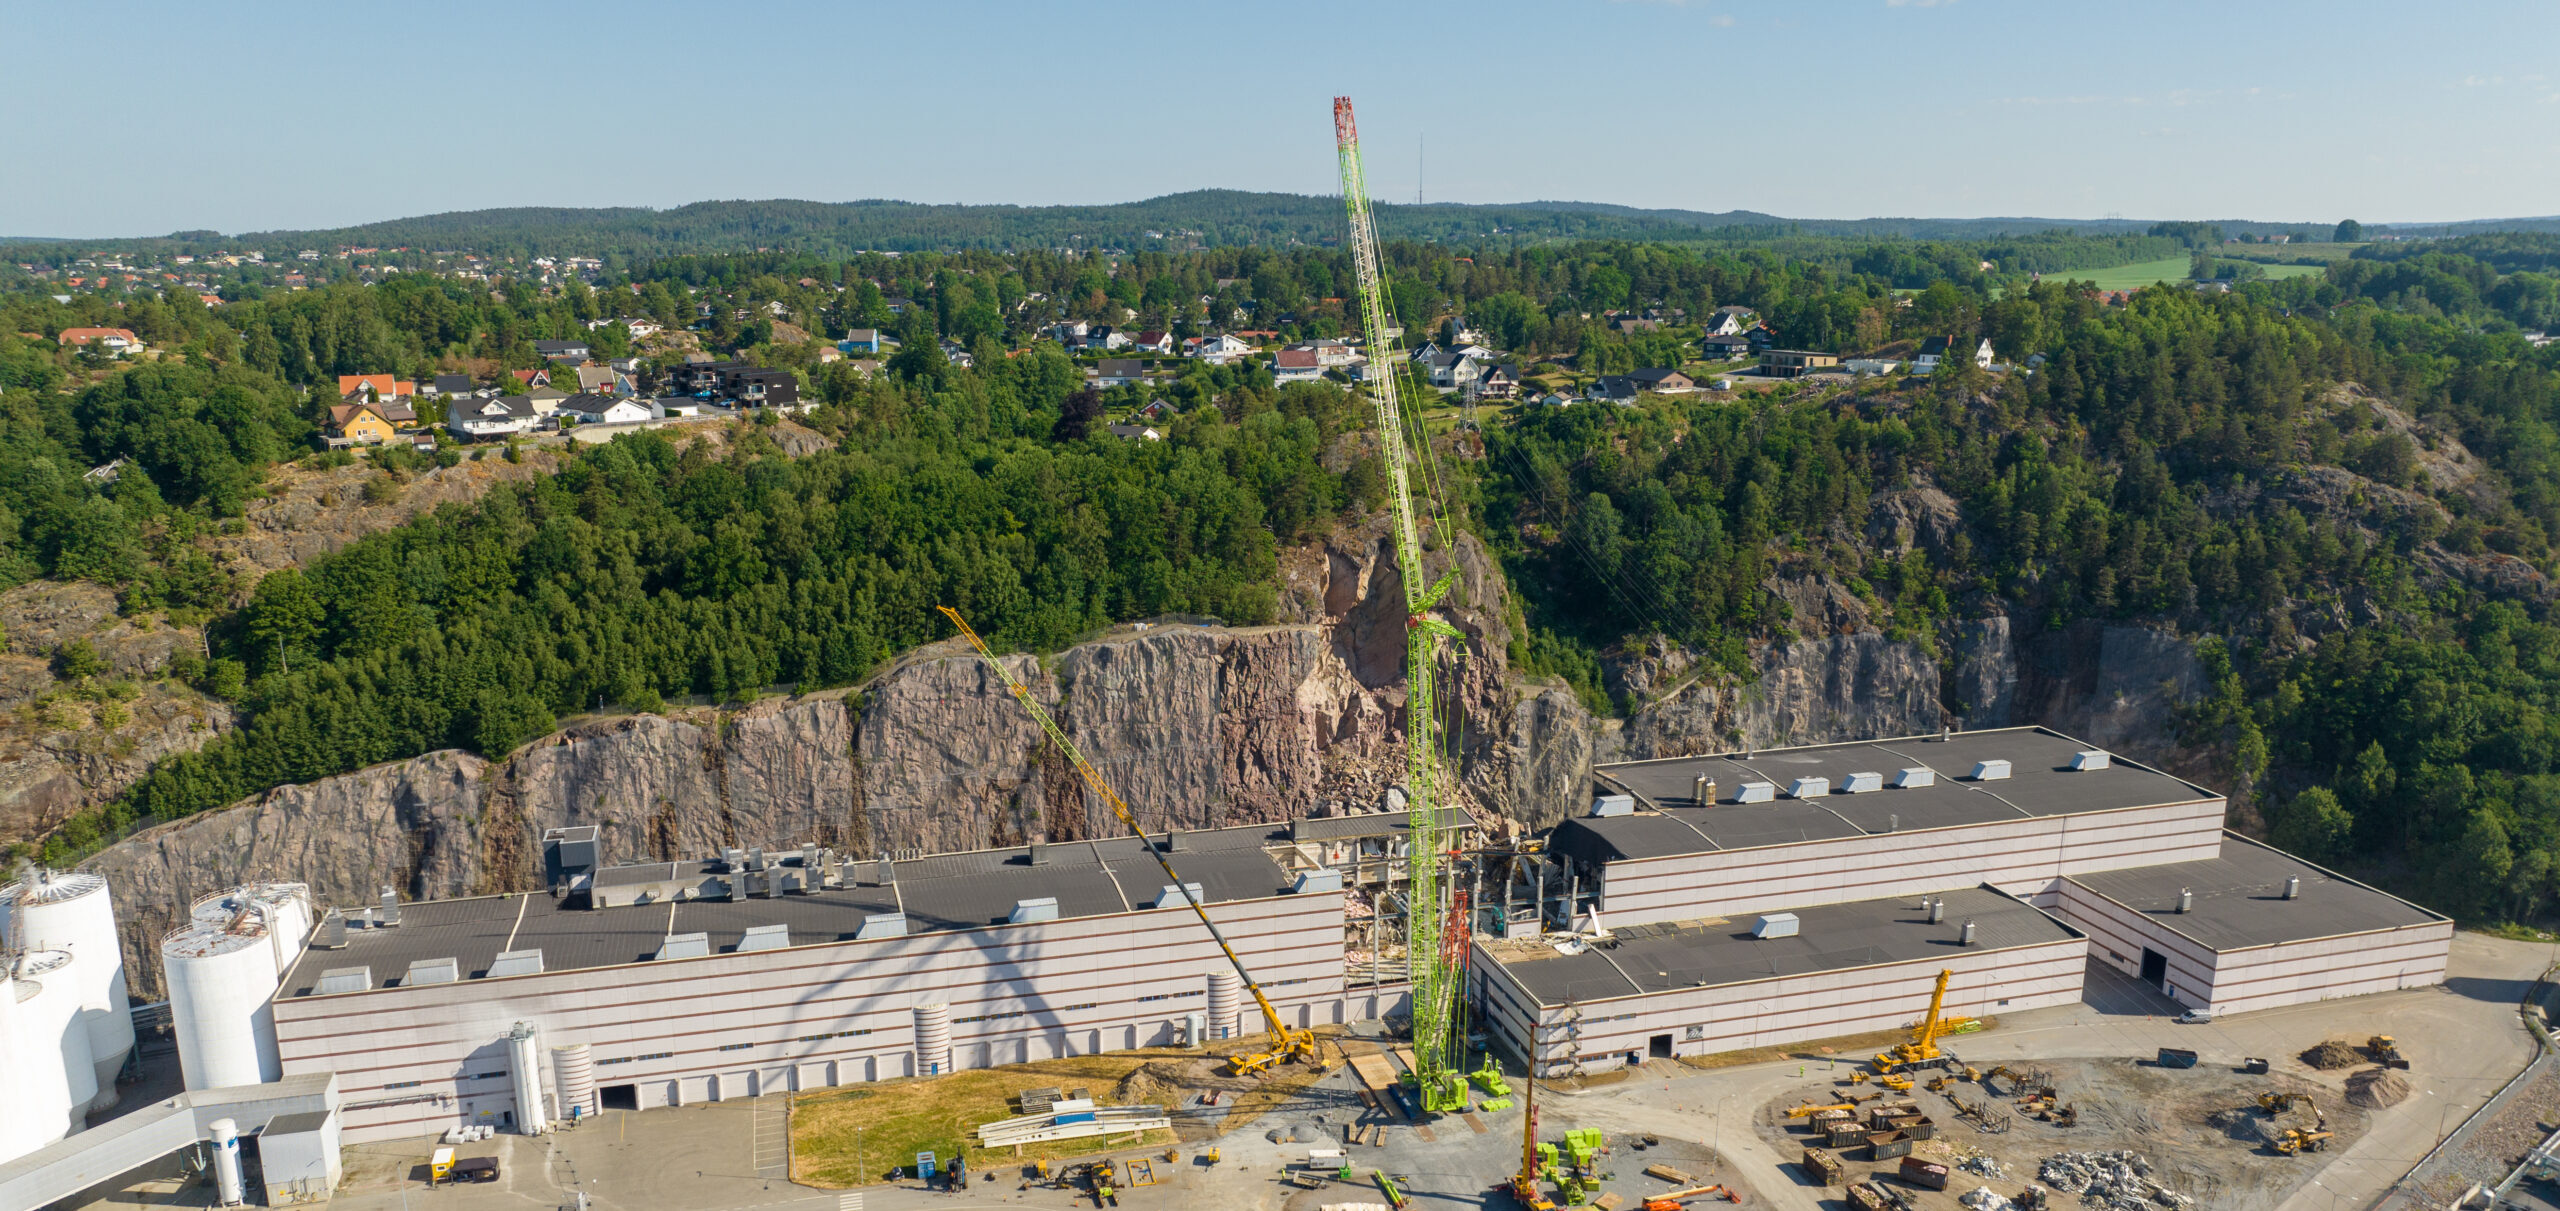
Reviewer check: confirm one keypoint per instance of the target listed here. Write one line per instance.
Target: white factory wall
(2022, 857)
(2118, 935)
(2264, 977)
(1600, 1035)
(416, 1060)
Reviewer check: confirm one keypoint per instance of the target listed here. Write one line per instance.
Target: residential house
(489, 416)
(1728, 348)
(641, 328)
(1614, 389)
(1662, 380)
(1136, 433)
(1103, 337)
(598, 380)
(1629, 325)
(359, 425)
(1729, 321)
(1796, 363)
(1156, 409)
(1152, 341)
(451, 384)
(118, 341)
(1117, 372)
(532, 378)
(958, 354)
(1497, 382)
(1453, 371)
(748, 386)
(569, 352)
(595, 409)
(1556, 399)
(675, 405)
(860, 340)
(546, 400)
(1219, 350)
(1761, 338)
(380, 386)
(1295, 365)
(1070, 333)
(1865, 367)
(1939, 348)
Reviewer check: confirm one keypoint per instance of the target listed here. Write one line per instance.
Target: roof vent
(390, 917)
(1614, 805)
(1755, 792)
(882, 925)
(765, 937)
(1703, 792)
(1893, 822)
(431, 971)
(333, 931)
(1777, 925)
(2186, 899)
(2293, 887)
(1937, 909)
(685, 946)
(2090, 759)
(1992, 770)
(345, 979)
(888, 871)
(1316, 881)
(755, 858)
(1173, 841)
(515, 963)
(1172, 897)
(1036, 853)
(1810, 788)
(1915, 778)
(1967, 939)
(733, 858)
(1043, 909)
(1861, 783)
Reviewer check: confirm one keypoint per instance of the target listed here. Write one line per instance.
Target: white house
(1295, 365)
(1219, 350)
(1153, 341)
(1937, 348)
(606, 410)
(488, 416)
(1729, 321)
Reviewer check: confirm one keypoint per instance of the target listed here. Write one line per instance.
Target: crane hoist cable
(1288, 1043)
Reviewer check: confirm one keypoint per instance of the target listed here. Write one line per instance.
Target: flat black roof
(1672, 955)
(2041, 783)
(940, 892)
(2239, 898)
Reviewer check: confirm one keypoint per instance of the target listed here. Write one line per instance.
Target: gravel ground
(2494, 1147)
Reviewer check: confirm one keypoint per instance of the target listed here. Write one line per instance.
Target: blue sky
(260, 115)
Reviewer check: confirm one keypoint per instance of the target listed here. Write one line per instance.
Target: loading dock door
(2155, 967)
(1661, 1048)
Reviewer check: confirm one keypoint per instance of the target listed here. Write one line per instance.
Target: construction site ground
(2464, 1040)
(2200, 1127)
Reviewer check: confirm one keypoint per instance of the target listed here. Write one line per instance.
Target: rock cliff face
(1198, 727)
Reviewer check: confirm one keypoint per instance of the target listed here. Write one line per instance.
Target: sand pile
(2375, 1088)
(2332, 1055)
(1156, 1082)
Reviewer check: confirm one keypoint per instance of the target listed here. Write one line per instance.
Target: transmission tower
(1435, 1039)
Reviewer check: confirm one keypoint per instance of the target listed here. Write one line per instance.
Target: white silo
(53, 1067)
(24, 1118)
(223, 969)
(72, 911)
(524, 1063)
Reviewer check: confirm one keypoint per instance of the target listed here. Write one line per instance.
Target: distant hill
(1202, 218)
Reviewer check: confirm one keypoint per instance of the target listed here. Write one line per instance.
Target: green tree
(2349, 232)
(2315, 825)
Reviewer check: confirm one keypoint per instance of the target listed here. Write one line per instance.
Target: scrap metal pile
(2118, 1180)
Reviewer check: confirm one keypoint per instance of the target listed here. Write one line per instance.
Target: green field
(2170, 269)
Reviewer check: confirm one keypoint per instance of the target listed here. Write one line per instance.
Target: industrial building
(670, 983)
(1759, 898)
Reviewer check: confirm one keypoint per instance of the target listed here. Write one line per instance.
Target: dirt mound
(2375, 1088)
(1156, 1082)
(2333, 1054)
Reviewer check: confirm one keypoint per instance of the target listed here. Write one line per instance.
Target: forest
(2272, 470)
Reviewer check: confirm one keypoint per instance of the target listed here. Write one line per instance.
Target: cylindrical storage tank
(38, 1101)
(1226, 996)
(933, 1040)
(524, 1062)
(220, 988)
(72, 911)
(55, 1064)
(573, 1077)
(226, 1161)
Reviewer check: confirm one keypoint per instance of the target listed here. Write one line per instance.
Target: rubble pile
(2332, 1055)
(2375, 1088)
(1982, 1199)
(1981, 1166)
(2120, 1181)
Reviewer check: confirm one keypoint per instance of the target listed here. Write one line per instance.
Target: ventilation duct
(516, 963)
(1861, 783)
(1967, 939)
(1173, 841)
(333, 931)
(390, 918)
(1614, 805)
(2186, 899)
(1810, 788)
(1173, 897)
(1316, 881)
(764, 937)
(1703, 792)
(1756, 792)
(1044, 908)
(882, 925)
(431, 971)
(685, 946)
(1777, 925)
(2090, 759)
(1992, 770)
(345, 979)
(2293, 887)
(1037, 853)
(1937, 910)
(1915, 778)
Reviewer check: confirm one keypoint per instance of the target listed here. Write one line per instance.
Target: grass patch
(2128, 277)
(851, 1136)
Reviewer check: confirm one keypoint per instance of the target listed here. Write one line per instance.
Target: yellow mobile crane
(1287, 1043)
(1524, 1184)
(1923, 1047)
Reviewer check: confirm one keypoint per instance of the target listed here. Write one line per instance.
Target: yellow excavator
(1287, 1043)
(1923, 1047)
(2277, 1103)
